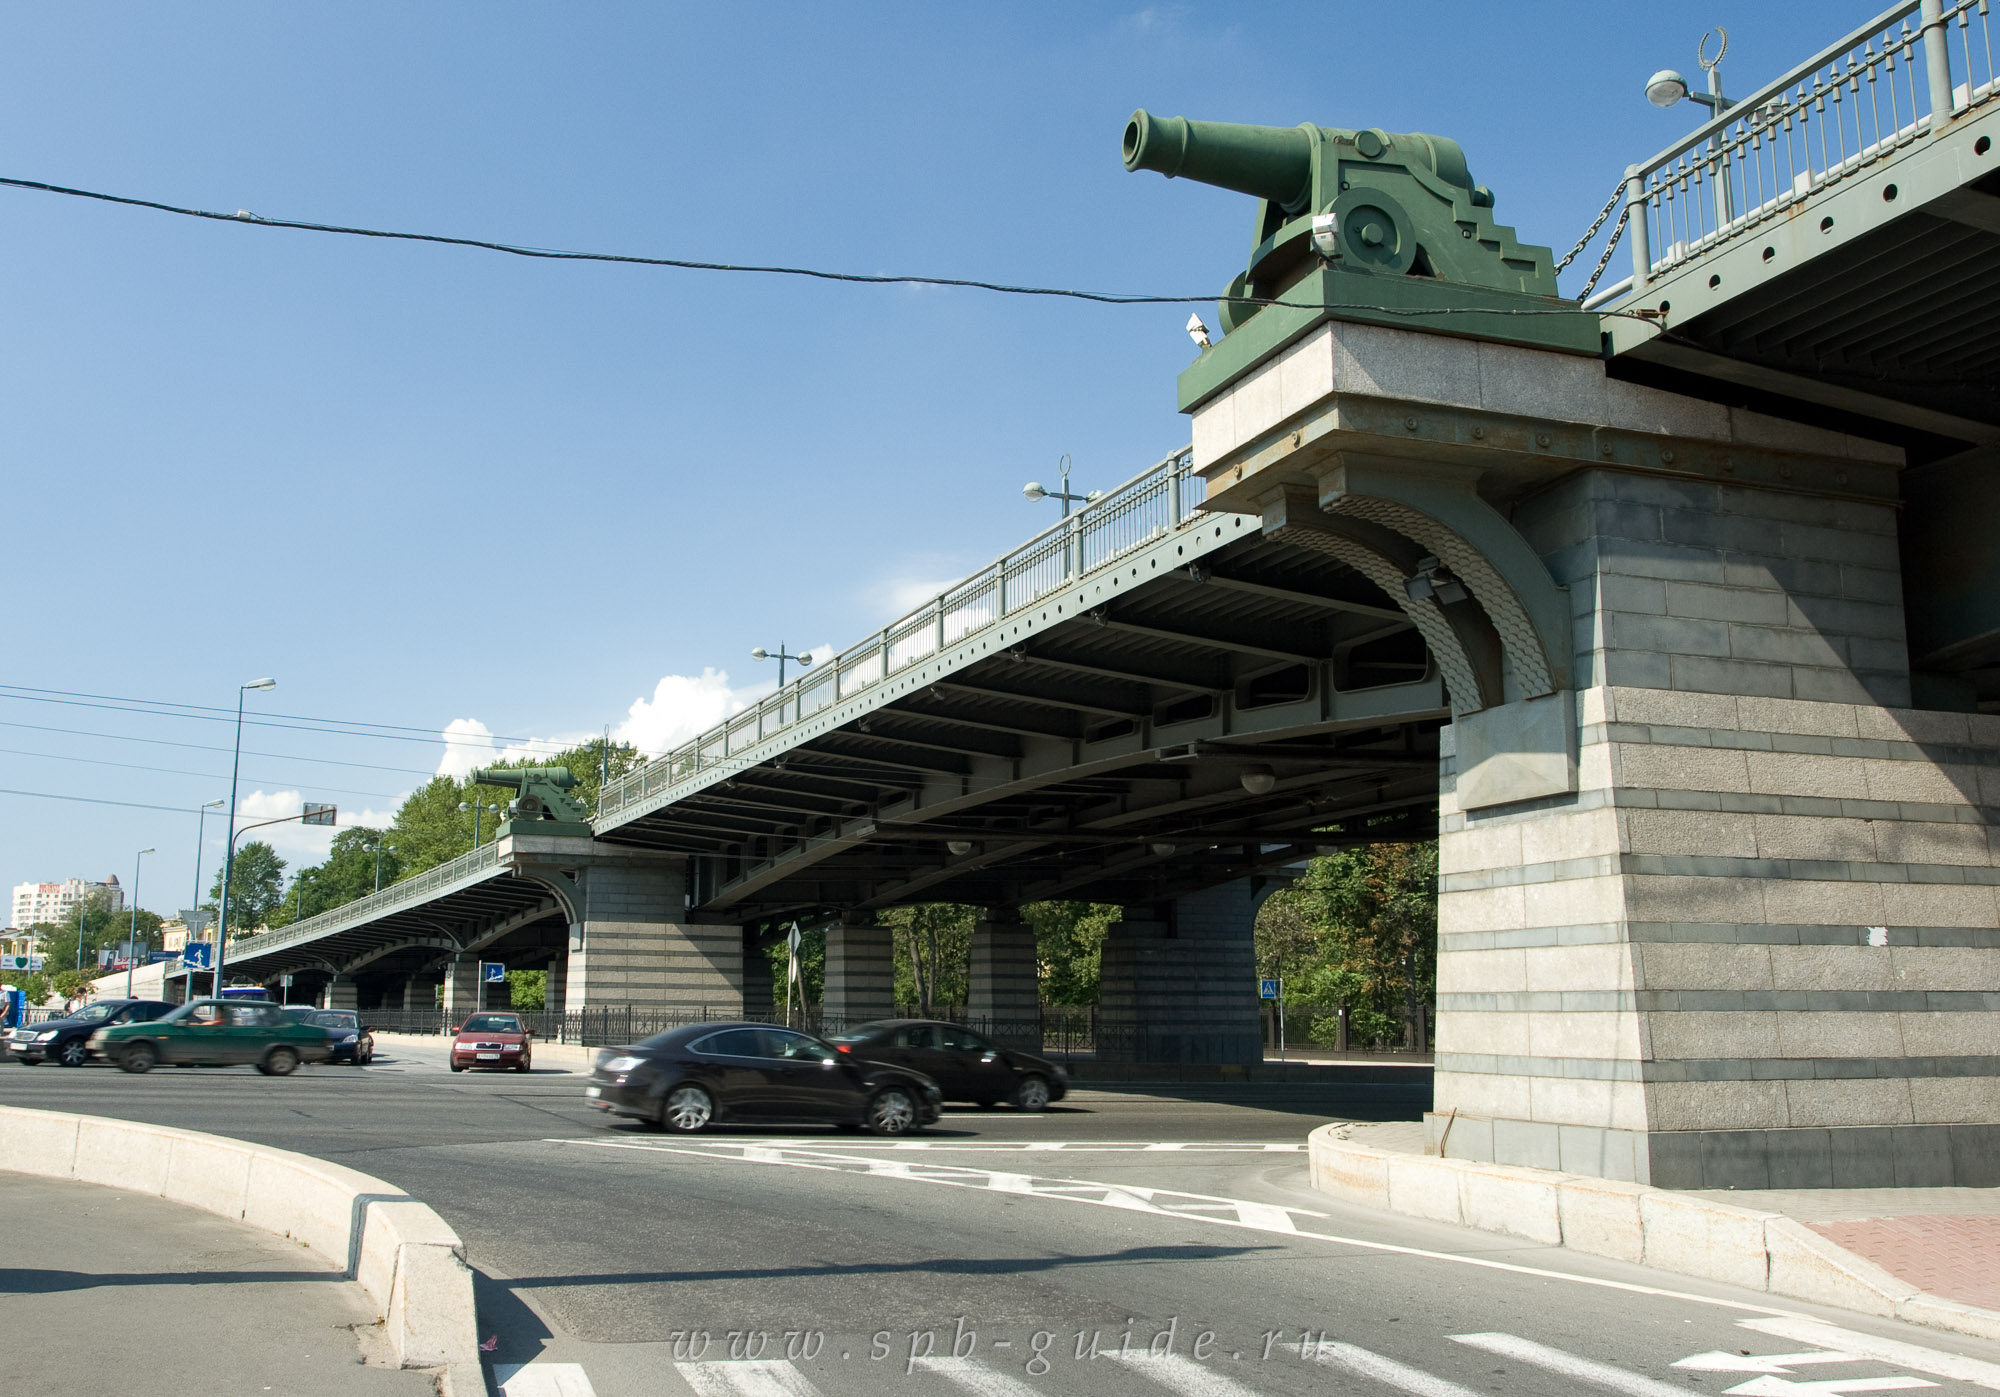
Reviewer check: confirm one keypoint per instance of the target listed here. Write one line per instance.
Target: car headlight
(45, 1037)
(1061, 1071)
(350, 1038)
(622, 1064)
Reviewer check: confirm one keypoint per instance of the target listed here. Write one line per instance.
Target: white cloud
(681, 706)
(297, 843)
(467, 743)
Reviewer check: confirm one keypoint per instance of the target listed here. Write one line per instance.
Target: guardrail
(1153, 502)
(1842, 111)
(418, 888)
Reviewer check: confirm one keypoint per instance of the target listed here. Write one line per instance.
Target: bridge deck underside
(505, 917)
(1103, 757)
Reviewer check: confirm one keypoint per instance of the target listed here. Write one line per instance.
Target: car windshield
(183, 1012)
(861, 1031)
(95, 1013)
(492, 1023)
(333, 1018)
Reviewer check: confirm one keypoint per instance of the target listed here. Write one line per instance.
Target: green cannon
(1361, 225)
(543, 795)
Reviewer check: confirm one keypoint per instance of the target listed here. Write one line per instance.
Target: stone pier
(860, 971)
(1179, 982)
(1003, 990)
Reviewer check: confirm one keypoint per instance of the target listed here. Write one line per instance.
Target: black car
(687, 1077)
(67, 1040)
(349, 1039)
(968, 1066)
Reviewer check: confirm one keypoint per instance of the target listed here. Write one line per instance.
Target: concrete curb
(406, 1257)
(1632, 1222)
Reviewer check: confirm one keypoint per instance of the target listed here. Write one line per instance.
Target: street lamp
(379, 847)
(477, 810)
(200, 830)
(1667, 87)
(781, 654)
(262, 686)
(132, 933)
(1035, 490)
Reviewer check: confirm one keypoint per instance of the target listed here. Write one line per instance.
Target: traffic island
(405, 1257)
(1927, 1256)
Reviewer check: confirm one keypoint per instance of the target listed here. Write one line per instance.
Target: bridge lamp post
(477, 811)
(1035, 490)
(262, 686)
(781, 654)
(200, 831)
(132, 932)
(379, 847)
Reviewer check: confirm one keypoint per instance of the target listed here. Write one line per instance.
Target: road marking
(1182, 1375)
(1768, 1386)
(748, 1378)
(542, 1380)
(1716, 1361)
(977, 1378)
(1386, 1371)
(1066, 1146)
(1224, 1212)
(1894, 1352)
(1570, 1366)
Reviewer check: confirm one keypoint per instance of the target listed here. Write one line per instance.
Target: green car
(215, 1033)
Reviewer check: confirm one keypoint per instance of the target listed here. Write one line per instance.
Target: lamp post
(262, 686)
(379, 847)
(200, 830)
(781, 654)
(1035, 490)
(132, 932)
(477, 810)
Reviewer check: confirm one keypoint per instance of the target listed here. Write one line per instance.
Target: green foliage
(1360, 929)
(528, 990)
(812, 967)
(36, 985)
(101, 929)
(1069, 944)
(347, 872)
(73, 982)
(933, 946)
(256, 886)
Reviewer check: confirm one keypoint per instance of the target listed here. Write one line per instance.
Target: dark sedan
(968, 1066)
(687, 1077)
(67, 1040)
(349, 1040)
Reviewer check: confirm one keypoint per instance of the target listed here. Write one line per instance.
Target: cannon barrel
(1266, 162)
(561, 777)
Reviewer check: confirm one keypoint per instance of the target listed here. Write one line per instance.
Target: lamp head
(805, 660)
(1034, 491)
(1197, 332)
(959, 846)
(760, 653)
(464, 806)
(262, 685)
(1665, 88)
(1259, 780)
(149, 851)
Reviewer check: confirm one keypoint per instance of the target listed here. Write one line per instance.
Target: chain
(1624, 217)
(1602, 214)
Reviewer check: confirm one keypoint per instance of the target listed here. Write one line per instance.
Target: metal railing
(1153, 502)
(1846, 109)
(418, 888)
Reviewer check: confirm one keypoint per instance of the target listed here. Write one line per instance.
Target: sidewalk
(105, 1290)
(1927, 1255)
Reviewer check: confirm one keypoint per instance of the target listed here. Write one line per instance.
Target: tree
(933, 945)
(528, 990)
(1069, 945)
(347, 872)
(36, 985)
(73, 982)
(256, 886)
(99, 928)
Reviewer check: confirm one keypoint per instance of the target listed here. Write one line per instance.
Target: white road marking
(1894, 1352)
(1570, 1366)
(542, 1380)
(977, 1378)
(1716, 1361)
(1224, 1212)
(1384, 1370)
(1182, 1375)
(1768, 1386)
(1066, 1146)
(746, 1378)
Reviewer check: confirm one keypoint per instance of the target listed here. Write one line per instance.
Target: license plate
(489, 1057)
(593, 1091)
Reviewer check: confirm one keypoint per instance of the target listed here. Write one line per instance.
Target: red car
(498, 1041)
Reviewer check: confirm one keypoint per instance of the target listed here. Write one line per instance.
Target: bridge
(1671, 614)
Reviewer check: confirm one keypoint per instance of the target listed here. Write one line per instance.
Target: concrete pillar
(1180, 984)
(558, 977)
(758, 986)
(1003, 991)
(638, 948)
(1753, 949)
(860, 972)
(461, 988)
(340, 993)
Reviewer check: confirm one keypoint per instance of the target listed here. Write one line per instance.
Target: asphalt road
(999, 1254)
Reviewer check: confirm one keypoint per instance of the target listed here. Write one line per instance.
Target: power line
(250, 722)
(176, 771)
(204, 747)
(1113, 298)
(91, 800)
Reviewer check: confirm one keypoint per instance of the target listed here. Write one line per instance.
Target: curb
(1632, 1222)
(406, 1257)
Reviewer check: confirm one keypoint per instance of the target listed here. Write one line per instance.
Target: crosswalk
(1833, 1366)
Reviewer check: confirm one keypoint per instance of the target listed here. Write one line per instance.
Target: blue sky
(426, 486)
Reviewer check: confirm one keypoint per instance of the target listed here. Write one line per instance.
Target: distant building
(19, 941)
(51, 902)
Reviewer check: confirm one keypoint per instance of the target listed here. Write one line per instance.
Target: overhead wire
(205, 747)
(177, 771)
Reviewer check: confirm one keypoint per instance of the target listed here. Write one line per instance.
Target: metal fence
(1842, 111)
(419, 888)
(1156, 500)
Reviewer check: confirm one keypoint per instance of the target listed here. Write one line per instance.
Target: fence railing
(1849, 107)
(1156, 500)
(419, 888)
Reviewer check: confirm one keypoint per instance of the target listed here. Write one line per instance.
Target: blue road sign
(1267, 989)
(492, 972)
(195, 955)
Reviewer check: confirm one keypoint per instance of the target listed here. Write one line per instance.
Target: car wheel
(686, 1110)
(523, 1065)
(1032, 1094)
(892, 1112)
(139, 1057)
(279, 1062)
(457, 1066)
(75, 1053)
